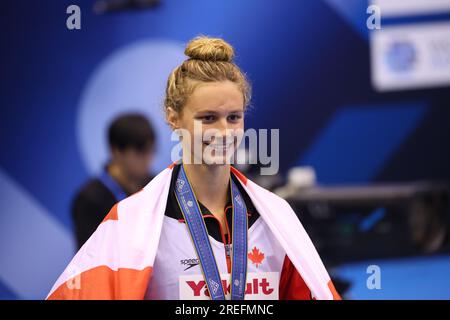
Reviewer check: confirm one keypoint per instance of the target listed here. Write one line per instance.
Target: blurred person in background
(131, 140)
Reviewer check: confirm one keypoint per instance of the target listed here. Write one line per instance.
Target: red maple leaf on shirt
(256, 256)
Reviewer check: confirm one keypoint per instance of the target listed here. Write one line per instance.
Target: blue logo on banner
(401, 56)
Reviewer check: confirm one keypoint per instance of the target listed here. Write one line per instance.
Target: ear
(173, 118)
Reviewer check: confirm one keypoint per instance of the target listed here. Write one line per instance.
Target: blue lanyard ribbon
(197, 230)
(113, 186)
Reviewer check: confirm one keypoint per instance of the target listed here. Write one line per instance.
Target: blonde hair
(210, 60)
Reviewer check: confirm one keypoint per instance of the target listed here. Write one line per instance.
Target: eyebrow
(215, 111)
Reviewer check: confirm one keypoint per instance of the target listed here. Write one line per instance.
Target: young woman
(200, 229)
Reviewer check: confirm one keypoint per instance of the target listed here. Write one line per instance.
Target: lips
(219, 146)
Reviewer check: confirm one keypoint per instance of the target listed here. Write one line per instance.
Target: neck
(210, 184)
(129, 184)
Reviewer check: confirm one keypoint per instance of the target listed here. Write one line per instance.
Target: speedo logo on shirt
(260, 286)
(255, 256)
(189, 263)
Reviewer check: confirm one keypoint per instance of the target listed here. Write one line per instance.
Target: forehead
(216, 96)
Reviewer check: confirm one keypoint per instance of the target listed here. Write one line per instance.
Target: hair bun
(209, 49)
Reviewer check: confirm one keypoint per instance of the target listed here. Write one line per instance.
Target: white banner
(397, 8)
(411, 56)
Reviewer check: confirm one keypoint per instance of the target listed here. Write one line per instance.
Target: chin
(216, 161)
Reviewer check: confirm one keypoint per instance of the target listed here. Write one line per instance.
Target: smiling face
(214, 116)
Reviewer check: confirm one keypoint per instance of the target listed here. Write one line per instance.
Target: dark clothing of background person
(91, 204)
(132, 141)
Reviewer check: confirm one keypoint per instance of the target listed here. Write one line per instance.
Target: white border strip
(390, 8)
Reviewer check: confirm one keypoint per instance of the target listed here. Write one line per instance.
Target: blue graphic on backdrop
(132, 79)
(354, 13)
(358, 141)
(34, 246)
(401, 56)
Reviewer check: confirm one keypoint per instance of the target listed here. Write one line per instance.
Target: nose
(224, 131)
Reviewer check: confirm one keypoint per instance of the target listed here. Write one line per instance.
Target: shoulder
(260, 198)
(92, 191)
(255, 189)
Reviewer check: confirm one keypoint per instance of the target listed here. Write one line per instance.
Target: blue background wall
(310, 68)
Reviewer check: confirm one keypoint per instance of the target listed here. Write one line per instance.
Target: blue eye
(208, 118)
(234, 117)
